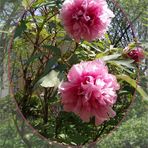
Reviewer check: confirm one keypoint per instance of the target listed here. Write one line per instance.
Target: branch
(128, 28)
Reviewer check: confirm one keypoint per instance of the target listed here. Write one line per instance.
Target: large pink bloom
(90, 91)
(86, 19)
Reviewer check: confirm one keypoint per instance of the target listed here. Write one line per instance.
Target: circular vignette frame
(20, 116)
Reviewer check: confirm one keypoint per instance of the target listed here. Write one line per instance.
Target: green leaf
(51, 4)
(100, 55)
(127, 63)
(37, 3)
(111, 57)
(100, 45)
(26, 3)
(50, 80)
(146, 54)
(61, 67)
(73, 60)
(63, 136)
(34, 57)
(20, 28)
(85, 46)
(92, 46)
(2, 31)
(50, 64)
(107, 38)
(77, 138)
(133, 83)
(120, 66)
(56, 51)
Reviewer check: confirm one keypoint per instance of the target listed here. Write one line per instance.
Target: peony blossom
(90, 91)
(86, 19)
(137, 53)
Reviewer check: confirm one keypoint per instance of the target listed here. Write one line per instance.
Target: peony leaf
(20, 28)
(51, 64)
(127, 63)
(110, 57)
(27, 3)
(120, 66)
(146, 54)
(55, 50)
(63, 136)
(2, 31)
(85, 46)
(100, 55)
(50, 80)
(38, 3)
(35, 57)
(133, 83)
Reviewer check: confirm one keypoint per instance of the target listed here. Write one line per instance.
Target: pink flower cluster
(86, 19)
(90, 91)
(137, 53)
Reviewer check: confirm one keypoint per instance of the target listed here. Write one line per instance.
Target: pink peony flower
(90, 91)
(86, 19)
(137, 53)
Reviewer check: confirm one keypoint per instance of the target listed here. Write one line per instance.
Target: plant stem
(45, 117)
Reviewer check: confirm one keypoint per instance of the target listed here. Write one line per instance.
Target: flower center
(85, 88)
(87, 80)
(81, 16)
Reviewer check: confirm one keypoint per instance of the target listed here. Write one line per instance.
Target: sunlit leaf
(120, 66)
(37, 3)
(100, 55)
(2, 31)
(27, 3)
(50, 65)
(85, 46)
(111, 57)
(127, 63)
(133, 83)
(50, 80)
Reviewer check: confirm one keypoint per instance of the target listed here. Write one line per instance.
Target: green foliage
(43, 54)
(34, 58)
(56, 51)
(20, 28)
(134, 84)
